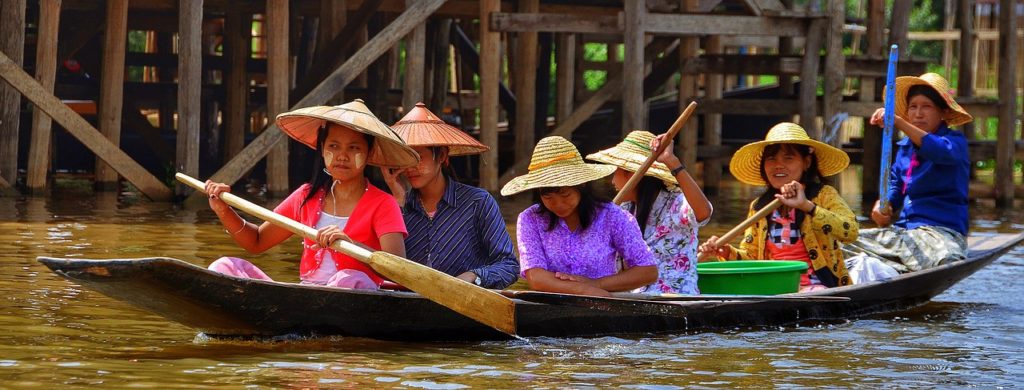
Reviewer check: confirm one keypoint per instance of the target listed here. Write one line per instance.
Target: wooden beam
(190, 77)
(1008, 97)
(688, 90)
(490, 63)
(278, 76)
(713, 122)
(333, 18)
(470, 56)
(786, 46)
(112, 85)
(12, 41)
(83, 131)
(698, 24)
(568, 23)
(525, 85)
(565, 51)
(46, 72)
(871, 163)
(809, 78)
(339, 45)
(899, 25)
(237, 36)
(835, 65)
(415, 57)
(634, 114)
(327, 88)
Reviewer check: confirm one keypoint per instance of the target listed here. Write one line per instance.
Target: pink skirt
(346, 278)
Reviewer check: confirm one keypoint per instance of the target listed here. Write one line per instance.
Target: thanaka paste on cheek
(360, 160)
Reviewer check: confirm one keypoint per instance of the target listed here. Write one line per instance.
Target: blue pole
(889, 121)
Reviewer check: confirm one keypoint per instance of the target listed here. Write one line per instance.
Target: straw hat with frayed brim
(957, 115)
(746, 163)
(389, 151)
(556, 163)
(631, 153)
(420, 127)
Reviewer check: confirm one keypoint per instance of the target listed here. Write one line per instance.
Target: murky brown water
(53, 332)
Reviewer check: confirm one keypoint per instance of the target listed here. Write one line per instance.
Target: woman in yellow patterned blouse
(813, 219)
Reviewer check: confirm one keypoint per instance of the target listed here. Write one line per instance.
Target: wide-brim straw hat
(420, 127)
(389, 151)
(957, 115)
(746, 163)
(631, 153)
(556, 163)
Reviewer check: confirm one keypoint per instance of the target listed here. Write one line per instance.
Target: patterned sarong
(910, 250)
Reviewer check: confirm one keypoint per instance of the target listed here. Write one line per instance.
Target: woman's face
(620, 177)
(345, 152)
(427, 170)
(562, 202)
(924, 113)
(785, 166)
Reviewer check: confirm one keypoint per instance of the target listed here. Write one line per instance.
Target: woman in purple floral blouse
(570, 241)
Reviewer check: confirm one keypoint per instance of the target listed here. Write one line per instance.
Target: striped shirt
(466, 233)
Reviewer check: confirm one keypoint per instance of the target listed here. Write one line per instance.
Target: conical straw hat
(957, 115)
(746, 163)
(631, 153)
(389, 151)
(420, 127)
(556, 163)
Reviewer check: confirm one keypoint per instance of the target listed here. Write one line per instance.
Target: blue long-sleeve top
(934, 193)
(467, 233)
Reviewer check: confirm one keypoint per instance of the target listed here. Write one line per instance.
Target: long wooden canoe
(220, 305)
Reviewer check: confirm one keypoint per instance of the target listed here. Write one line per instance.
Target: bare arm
(543, 280)
(252, 238)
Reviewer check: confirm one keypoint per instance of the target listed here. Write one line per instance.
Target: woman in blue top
(928, 182)
(453, 227)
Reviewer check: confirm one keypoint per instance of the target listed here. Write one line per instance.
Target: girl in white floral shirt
(668, 205)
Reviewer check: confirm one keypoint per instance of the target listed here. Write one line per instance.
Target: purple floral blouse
(671, 233)
(591, 253)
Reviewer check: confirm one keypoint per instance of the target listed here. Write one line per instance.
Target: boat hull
(221, 305)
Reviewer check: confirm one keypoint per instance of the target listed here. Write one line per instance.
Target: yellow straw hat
(556, 163)
(389, 151)
(420, 127)
(957, 115)
(746, 163)
(633, 152)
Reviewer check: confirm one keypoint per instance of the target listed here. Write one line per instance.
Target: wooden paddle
(731, 234)
(669, 136)
(488, 307)
(889, 120)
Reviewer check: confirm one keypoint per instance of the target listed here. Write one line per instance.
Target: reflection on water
(54, 332)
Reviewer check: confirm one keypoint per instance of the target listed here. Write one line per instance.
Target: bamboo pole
(46, 72)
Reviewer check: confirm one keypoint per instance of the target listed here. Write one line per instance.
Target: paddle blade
(488, 307)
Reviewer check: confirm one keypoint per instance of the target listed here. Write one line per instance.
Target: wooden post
(688, 89)
(238, 35)
(82, 130)
(525, 84)
(490, 63)
(112, 86)
(12, 42)
(1006, 144)
(277, 91)
(948, 21)
(190, 77)
(835, 64)
(872, 138)
(965, 77)
(333, 16)
(809, 77)
(713, 122)
(634, 113)
(900, 25)
(46, 72)
(415, 55)
(441, 66)
(565, 51)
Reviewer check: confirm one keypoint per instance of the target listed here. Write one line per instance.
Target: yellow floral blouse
(832, 225)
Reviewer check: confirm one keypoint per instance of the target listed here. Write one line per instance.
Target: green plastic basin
(750, 277)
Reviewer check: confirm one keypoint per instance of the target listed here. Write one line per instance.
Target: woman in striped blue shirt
(453, 227)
